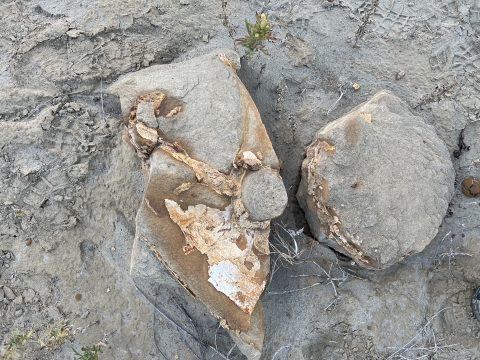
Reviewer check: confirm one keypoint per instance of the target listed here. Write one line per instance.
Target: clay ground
(70, 184)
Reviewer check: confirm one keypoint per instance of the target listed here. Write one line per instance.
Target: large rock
(376, 183)
(212, 184)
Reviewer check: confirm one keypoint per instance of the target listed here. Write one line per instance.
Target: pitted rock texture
(376, 183)
(203, 143)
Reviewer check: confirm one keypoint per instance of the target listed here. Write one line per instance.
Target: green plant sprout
(89, 352)
(51, 338)
(55, 335)
(12, 344)
(257, 35)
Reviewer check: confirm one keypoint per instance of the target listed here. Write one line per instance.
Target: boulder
(376, 183)
(212, 184)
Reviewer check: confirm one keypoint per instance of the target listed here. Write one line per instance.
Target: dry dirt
(70, 187)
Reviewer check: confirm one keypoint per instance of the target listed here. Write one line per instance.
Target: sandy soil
(70, 184)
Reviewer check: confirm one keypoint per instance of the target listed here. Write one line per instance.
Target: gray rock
(263, 195)
(28, 295)
(212, 185)
(9, 294)
(376, 183)
(2, 294)
(218, 112)
(146, 114)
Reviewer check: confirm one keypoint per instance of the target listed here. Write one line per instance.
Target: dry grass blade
(285, 249)
(426, 351)
(451, 252)
(326, 278)
(280, 349)
(288, 251)
(336, 102)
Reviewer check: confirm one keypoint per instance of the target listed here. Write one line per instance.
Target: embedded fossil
(212, 183)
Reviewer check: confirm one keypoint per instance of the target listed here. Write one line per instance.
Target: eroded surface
(55, 59)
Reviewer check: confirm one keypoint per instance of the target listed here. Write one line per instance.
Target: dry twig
(326, 278)
(182, 330)
(422, 352)
(336, 102)
(280, 349)
(283, 250)
(450, 253)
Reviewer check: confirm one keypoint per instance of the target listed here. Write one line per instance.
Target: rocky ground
(70, 187)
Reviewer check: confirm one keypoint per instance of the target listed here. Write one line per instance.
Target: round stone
(376, 183)
(263, 195)
(471, 186)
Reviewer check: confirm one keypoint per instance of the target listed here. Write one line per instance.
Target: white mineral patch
(229, 248)
(225, 277)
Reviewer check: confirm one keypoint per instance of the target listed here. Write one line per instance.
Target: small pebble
(471, 186)
(78, 297)
(9, 294)
(28, 242)
(18, 312)
(399, 75)
(28, 295)
(356, 86)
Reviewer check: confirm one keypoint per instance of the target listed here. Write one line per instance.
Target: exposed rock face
(212, 184)
(376, 183)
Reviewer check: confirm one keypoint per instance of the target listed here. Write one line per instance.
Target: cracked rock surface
(376, 183)
(212, 184)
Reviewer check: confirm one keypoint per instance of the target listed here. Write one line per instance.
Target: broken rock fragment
(212, 184)
(376, 183)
